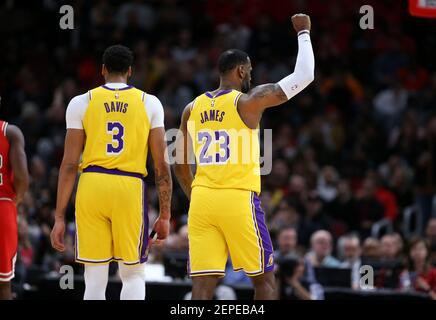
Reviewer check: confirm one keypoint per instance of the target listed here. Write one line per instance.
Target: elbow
(304, 74)
(307, 77)
(308, 73)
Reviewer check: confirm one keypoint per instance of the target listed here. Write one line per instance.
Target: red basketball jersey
(6, 177)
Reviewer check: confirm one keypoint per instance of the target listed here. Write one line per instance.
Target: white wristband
(303, 32)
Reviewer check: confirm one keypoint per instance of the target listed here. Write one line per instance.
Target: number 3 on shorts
(115, 129)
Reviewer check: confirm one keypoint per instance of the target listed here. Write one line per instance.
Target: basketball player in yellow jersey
(113, 125)
(225, 216)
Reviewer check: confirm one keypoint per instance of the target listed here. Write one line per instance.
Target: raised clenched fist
(301, 22)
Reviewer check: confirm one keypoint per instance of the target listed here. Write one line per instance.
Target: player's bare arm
(252, 104)
(18, 161)
(74, 142)
(182, 168)
(163, 181)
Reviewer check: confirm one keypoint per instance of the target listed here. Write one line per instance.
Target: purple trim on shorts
(188, 263)
(259, 239)
(113, 89)
(99, 169)
(144, 232)
(206, 272)
(95, 262)
(76, 243)
(222, 92)
(268, 264)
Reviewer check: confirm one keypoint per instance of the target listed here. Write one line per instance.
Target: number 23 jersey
(117, 120)
(226, 150)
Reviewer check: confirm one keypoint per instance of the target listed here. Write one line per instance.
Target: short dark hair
(286, 227)
(117, 59)
(230, 59)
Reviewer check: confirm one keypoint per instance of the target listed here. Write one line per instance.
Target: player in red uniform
(14, 181)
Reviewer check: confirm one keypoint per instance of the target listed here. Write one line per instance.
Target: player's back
(6, 175)
(117, 129)
(226, 150)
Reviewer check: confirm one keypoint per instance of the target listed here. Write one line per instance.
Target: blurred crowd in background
(354, 172)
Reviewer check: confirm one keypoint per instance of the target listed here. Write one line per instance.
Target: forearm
(300, 291)
(305, 63)
(164, 188)
(21, 184)
(303, 73)
(67, 179)
(184, 177)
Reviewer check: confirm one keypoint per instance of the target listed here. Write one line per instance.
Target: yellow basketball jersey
(117, 129)
(226, 150)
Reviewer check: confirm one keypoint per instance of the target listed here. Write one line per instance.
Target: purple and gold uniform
(225, 216)
(111, 204)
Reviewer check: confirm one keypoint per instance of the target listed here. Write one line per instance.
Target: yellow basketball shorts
(223, 222)
(111, 217)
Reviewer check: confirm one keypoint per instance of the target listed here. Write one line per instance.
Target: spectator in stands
(371, 249)
(328, 183)
(389, 104)
(285, 215)
(314, 218)
(178, 241)
(368, 209)
(350, 251)
(425, 175)
(391, 263)
(287, 243)
(343, 209)
(399, 243)
(401, 186)
(419, 275)
(291, 284)
(387, 200)
(391, 246)
(430, 233)
(297, 191)
(320, 254)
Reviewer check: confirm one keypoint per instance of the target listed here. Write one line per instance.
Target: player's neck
(228, 85)
(115, 79)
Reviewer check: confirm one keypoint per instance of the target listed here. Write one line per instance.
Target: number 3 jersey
(226, 150)
(117, 120)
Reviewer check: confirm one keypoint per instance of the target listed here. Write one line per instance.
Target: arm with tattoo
(164, 188)
(164, 184)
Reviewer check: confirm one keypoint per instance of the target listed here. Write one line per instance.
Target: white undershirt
(77, 107)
